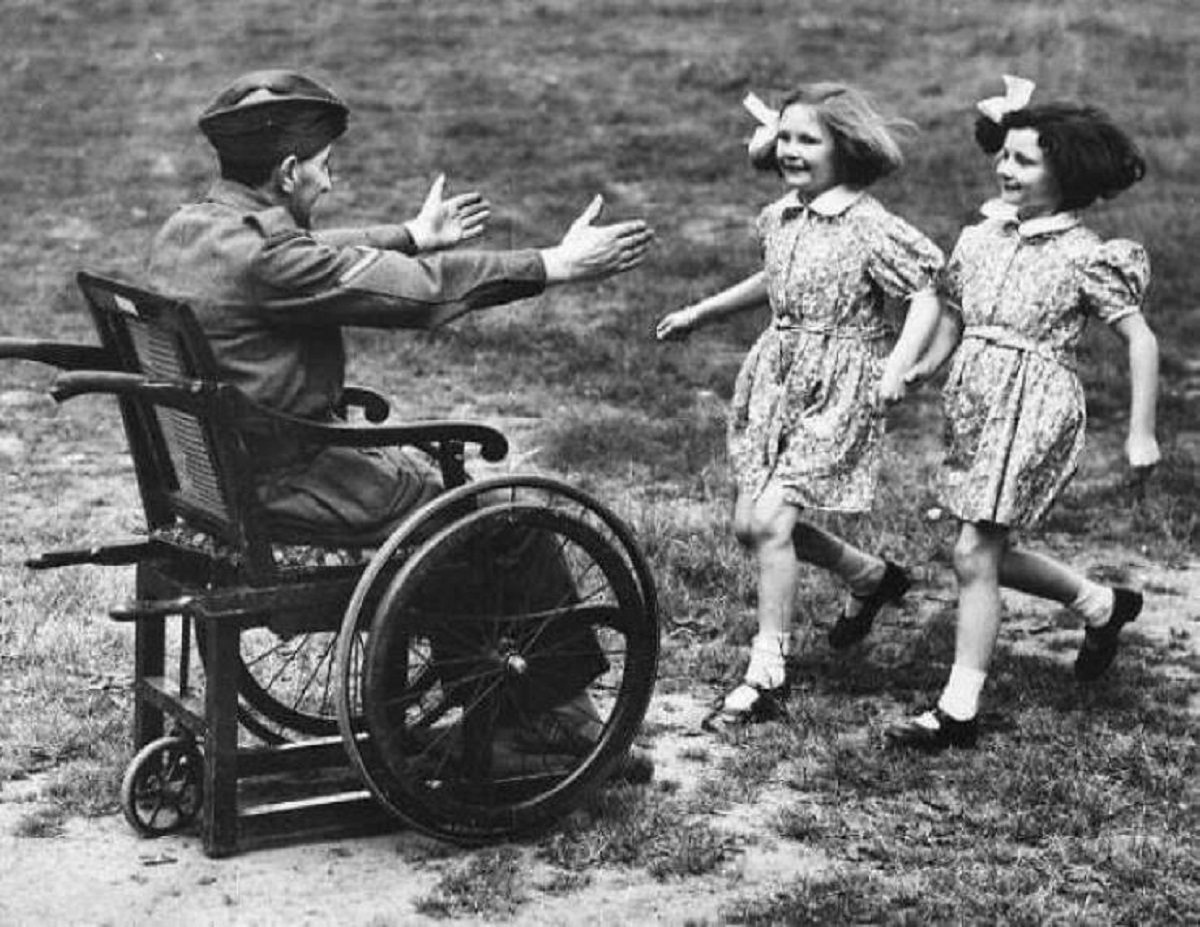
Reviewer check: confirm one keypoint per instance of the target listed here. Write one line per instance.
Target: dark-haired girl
(1021, 287)
(805, 428)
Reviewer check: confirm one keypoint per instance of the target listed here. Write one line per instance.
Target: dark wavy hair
(1089, 156)
(865, 143)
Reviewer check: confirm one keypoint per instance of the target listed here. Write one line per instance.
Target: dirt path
(100, 872)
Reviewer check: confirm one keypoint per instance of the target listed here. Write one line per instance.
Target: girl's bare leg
(764, 525)
(770, 534)
(1039, 575)
(977, 561)
(1104, 609)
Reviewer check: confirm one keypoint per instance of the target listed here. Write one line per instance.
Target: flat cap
(264, 116)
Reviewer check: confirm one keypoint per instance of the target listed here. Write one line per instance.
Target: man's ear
(286, 173)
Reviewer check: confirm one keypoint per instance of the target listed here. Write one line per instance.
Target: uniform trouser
(486, 594)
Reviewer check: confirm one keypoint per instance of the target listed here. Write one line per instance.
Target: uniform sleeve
(383, 237)
(305, 281)
(901, 260)
(1115, 276)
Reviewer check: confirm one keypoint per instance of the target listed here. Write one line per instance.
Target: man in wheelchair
(272, 294)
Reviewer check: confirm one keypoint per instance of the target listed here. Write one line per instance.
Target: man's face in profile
(305, 182)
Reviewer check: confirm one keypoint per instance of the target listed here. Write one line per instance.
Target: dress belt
(1004, 337)
(855, 332)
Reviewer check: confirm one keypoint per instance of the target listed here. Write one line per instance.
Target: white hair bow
(768, 124)
(1017, 93)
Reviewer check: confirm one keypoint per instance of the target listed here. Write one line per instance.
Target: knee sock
(1094, 603)
(960, 698)
(767, 667)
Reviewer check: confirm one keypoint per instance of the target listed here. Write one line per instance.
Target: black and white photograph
(546, 462)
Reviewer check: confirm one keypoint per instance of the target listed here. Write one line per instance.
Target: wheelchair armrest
(59, 354)
(180, 393)
(493, 446)
(375, 406)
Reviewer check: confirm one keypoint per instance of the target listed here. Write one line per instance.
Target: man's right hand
(592, 252)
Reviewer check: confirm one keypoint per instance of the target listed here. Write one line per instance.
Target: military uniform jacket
(273, 297)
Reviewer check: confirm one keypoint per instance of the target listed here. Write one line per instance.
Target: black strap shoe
(915, 734)
(768, 705)
(1099, 647)
(850, 629)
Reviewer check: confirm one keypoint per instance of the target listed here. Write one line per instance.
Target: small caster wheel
(163, 788)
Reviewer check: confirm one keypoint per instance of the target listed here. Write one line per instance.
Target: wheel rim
(458, 739)
(163, 788)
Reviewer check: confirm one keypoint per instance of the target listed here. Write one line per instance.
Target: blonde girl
(806, 420)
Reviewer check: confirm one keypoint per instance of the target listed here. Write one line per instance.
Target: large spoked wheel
(163, 788)
(509, 660)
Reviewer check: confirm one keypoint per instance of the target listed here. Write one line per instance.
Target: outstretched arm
(1142, 445)
(751, 293)
(920, 325)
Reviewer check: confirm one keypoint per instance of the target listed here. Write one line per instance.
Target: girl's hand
(1142, 451)
(893, 387)
(921, 371)
(677, 325)
(442, 223)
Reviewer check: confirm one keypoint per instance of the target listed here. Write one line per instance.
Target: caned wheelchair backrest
(190, 462)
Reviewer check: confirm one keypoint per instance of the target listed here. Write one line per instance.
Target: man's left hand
(443, 223)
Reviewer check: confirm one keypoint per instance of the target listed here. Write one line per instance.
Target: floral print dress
(1014, 404)
(803, 412)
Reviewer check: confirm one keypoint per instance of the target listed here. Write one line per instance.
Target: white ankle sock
(767, 667)
(1094, 603)
(960, 698)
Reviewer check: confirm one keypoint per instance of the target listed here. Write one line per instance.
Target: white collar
(1006, 213)
(833, 202)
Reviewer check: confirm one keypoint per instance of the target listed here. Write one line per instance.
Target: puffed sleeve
(949, 281)
(766, 221)
(1114, 279)
(901, 260)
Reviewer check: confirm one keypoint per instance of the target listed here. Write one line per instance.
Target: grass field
(1081, 807)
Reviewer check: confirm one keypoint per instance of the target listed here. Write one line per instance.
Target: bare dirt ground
(99, 872)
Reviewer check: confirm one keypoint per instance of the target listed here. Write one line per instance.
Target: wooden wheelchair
(433, 676)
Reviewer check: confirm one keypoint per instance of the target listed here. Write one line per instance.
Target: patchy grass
(44, 822)
(638, 828)
(1081, 806)
(488, 884)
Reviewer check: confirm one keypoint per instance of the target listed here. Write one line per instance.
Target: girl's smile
(1026, 180)
(805, 151)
